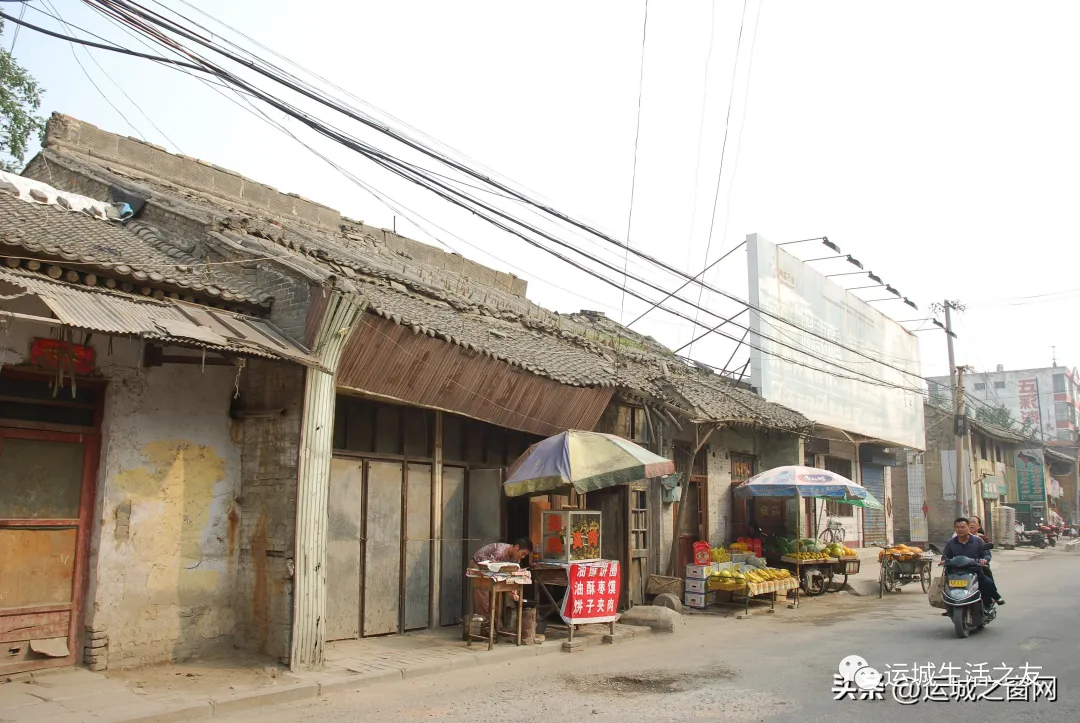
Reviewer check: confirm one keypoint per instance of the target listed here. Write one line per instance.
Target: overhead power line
(143, 16)
(483, 210)
(637, 139)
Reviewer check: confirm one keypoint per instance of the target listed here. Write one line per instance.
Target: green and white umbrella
(583, 461)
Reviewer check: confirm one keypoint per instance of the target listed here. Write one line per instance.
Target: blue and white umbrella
(796, 481)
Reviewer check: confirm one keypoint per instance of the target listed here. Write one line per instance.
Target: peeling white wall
(162, 574)
(169, 484)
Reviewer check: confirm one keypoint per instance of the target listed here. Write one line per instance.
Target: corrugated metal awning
(169, 321)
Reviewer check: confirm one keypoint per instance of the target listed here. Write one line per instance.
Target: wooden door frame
(84, 524)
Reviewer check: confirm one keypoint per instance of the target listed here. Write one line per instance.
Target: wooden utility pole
(684, 481)
(962, 490)
(952, 354)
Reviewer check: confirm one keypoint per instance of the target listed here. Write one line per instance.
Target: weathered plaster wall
(264, 591)
(163, 559)
(165, 555)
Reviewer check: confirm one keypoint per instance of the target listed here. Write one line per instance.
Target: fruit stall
(739, 573)
(814, 566)
(817, 565)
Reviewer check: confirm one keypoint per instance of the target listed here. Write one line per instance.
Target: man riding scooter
(968, 545)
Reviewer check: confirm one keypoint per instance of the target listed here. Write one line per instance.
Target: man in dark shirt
(968, 545)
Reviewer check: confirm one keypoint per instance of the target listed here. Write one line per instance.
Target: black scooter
(963, 598)
(1031, 538)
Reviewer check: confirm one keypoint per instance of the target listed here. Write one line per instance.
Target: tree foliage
(998, 415)
(20, 99)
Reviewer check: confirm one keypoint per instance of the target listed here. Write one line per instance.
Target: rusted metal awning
(168, 321)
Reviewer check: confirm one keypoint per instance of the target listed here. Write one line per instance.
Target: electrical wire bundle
(187, 46)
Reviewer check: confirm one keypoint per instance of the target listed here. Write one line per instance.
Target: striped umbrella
(583, 461)
(796, 481)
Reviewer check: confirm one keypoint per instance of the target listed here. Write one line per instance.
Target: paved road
(765, 669)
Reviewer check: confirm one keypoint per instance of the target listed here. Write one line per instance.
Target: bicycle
(834, 532)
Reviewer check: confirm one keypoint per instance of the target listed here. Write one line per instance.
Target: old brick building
(988, 464)
(319, 466)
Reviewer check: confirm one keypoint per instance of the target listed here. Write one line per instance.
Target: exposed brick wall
(235, 190)
(199, 175)
(269, 459)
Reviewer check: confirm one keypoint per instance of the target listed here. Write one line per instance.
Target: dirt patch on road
(649, 682)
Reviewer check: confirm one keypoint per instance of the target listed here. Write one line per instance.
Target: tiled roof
(715, 400)
(134, 251)
(577, 350)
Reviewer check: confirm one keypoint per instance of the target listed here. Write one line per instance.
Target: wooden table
(558, 575)
(496, 589)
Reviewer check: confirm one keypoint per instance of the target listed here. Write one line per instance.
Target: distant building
(1044, 402)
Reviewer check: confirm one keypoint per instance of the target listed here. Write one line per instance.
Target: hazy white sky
(936, 142)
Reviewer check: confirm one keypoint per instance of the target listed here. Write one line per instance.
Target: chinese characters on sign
(1030, 483)
(1029, 403)
(928, 682)
(593, 593)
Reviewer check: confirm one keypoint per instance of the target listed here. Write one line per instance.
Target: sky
(935, 142)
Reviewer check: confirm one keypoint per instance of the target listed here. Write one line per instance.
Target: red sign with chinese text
(55, 354)
(593, 593)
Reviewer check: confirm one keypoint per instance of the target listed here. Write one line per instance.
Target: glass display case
(570, 536)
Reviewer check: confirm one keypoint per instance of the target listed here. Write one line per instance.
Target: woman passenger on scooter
(966, 544)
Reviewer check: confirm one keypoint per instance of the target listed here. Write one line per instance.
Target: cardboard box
(696, 600)
(700, 572)
(696, 585)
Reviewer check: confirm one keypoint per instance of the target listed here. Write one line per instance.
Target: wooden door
(638, 576)
(382, 548)
(344, 549)
(452, 552)
(416, 575)
(46, 503)
(742, 519)
(485, 508)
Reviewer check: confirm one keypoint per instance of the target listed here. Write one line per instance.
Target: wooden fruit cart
(815, 576)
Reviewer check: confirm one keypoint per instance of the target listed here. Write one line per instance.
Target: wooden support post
(684, 478)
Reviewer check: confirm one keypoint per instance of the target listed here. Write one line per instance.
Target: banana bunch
(765, 575)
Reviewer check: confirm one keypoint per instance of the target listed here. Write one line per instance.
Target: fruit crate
(847, 566)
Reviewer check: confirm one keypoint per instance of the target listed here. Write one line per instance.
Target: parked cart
(903, 565)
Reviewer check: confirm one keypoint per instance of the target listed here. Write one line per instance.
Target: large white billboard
(784, 286)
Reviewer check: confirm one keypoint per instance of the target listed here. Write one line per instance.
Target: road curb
(335, 684)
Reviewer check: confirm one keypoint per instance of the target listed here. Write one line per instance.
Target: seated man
(497, 552)
(968, 545)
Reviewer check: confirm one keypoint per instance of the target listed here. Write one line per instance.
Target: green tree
(998, 415)
(20, 99)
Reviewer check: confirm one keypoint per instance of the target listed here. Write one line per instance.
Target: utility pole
(952, 354)
(960, 426)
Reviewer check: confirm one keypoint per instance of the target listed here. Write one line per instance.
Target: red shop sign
(55, 354)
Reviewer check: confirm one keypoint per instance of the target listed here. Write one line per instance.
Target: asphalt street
(770, 667)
